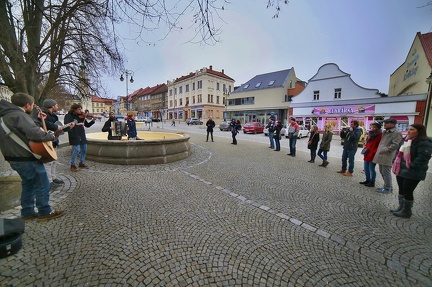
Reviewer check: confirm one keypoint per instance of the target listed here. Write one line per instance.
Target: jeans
(277, 143)
(34, 185)
(234, 138)
(271, 138)
(292, 145)
(322, 154)
(386, 173)
(348, 155)
(76, 151)
(369, 169)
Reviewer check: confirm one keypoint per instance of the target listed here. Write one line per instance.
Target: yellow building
(410, 77)
(199, 95)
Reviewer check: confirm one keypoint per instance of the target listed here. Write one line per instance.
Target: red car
(253, 127)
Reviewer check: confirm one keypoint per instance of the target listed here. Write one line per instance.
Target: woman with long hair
(313, 143)
(372, 141)
(410, 167)
(324, 147)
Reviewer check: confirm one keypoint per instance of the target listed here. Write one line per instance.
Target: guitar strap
(17, 139)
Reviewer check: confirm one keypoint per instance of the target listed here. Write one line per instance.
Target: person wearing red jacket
(372, 141)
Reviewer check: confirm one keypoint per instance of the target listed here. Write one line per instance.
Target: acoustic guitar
(44, 149)
(61, 132)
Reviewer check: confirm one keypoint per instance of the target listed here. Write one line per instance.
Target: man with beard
(108, 127)
(17, 128)
(50, 108)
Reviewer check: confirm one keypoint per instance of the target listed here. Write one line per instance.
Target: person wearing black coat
(77, 135)
(277, 135)
(410, 167)
(313, 143)
(210, 126)
(50, 108)
(234, 127)
(109, 128)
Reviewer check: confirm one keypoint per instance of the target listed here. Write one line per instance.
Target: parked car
(361, 142)
(303, 132)
(145, 120)
(253, 127)
(193, 121)
(283, 131)
(225, 126)
(156, 120)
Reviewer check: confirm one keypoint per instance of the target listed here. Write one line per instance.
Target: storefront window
(344, 122)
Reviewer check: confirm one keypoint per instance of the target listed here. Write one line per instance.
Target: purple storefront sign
(344, 110)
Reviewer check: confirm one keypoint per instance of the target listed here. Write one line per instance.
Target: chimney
(223, 71)
(211, 67)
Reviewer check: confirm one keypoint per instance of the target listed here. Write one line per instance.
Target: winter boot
(325, 163)
(405, 212)
(401, 201)
(322, 163)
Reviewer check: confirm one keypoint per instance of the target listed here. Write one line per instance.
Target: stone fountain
(154, 148)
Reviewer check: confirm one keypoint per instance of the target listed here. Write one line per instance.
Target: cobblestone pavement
(227, 216)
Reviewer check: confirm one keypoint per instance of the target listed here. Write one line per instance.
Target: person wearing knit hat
(49, 103)
(50, 108)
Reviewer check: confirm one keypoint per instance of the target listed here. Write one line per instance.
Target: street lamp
(428, 100)
(127, 73)
(226, 94)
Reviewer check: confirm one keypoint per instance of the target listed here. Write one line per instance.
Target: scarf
(404, 152)
(373, 134)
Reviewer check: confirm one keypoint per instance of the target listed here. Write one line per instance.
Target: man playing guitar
(50, 108)
(16, 121)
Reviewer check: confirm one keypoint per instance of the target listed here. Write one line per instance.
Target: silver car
(225, 126)
(283, 131)
(303, 132)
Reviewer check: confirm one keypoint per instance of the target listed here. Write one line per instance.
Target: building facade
(101, 106)
(410, 78)
(331, 96)
(199, 95)
(263, 95)
(150, 102)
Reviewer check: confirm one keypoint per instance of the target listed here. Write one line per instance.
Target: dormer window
(246, 86)
(257, 85)
(271, 83)
(316, 96)
(338, 93)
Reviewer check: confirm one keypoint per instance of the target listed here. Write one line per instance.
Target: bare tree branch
(43, 43)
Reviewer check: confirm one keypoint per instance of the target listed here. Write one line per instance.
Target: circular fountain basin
(156, 148)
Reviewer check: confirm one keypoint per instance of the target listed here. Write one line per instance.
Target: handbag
(365, 151)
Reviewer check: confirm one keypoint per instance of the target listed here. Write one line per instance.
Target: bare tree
(45, 43)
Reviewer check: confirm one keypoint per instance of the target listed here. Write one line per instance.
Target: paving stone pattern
(226, 216)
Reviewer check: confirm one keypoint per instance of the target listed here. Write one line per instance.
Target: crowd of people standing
(406, 157)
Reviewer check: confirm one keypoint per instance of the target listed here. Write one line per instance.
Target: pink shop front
(341, 116)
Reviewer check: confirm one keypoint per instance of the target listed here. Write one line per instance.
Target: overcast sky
(368, 39)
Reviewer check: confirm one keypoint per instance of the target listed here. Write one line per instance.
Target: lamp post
(174, 111)
(428, 100)
(127, 73)
(226, 94)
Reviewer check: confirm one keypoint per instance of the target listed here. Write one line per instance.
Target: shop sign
(344, 110)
